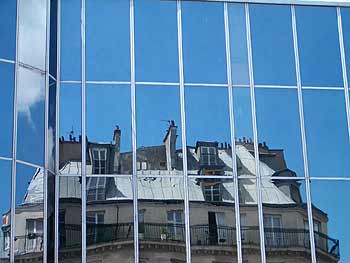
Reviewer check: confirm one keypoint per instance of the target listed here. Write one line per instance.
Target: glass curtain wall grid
(152, 131)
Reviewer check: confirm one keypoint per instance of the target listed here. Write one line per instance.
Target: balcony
(201, 235)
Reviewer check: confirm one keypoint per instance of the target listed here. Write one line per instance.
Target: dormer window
(212, 193)
(208, 155)
(99, 161)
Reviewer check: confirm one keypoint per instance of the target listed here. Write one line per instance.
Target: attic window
(212, 193)
(141, 165)
(99, 161)
(208, 155)
(96, 188)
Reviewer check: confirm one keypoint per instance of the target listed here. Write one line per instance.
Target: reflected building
(161, 229)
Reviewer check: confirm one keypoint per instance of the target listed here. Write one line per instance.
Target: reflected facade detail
(203, 132)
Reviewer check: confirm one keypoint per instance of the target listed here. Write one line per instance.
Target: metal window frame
(183, 131)
(255, 137)
(232, 136)
(337, 3)
(182, 85)
(303, 134)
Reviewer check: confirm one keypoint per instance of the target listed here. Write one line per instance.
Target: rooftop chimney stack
(116, 149)
(170, 145)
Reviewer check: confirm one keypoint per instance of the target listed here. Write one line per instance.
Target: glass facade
(148, 131)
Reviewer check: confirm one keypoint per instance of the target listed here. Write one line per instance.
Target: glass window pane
(110, 220)
(238, 44)
(272, 44)
(159, 129)
(333, 236)
(285, 218)
(31, 113)
(207, 120)
(32, 33)
(319, 52)
(345, 13)
(6, 108)
(242, 115)
(53, 39)
(204, 42)
(156, 41)
(5, 209)
(70, 218)
(52, 126)
(161, 199)
(8, 29)
(327, 135)
(29, 212)
(108, 129)
(277, 113)
(70, 40)
(212, 220)
(249, 219)
(107, 40)
(70, 129)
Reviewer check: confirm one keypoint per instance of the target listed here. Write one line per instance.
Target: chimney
(116, 149)
(170, 145)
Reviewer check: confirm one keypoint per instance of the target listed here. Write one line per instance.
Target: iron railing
(201, 235)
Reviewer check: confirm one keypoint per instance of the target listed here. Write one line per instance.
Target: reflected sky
(8, 29)
(319, 52)
(156, 41)
(279, 124)
(6, 107)
(204, 42)
(326, 133)
(273, 53)
(32, 32)
(31, 108)
(107, 40)
(70, 40)
(335, 204)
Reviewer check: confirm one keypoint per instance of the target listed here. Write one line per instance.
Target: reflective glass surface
(279, 131)
(109, 219)
(5, 209)
(212, 219)
(108, 130)
(203, 42)
(345, 13)
(248, 209)
(8, 29)
(32, 32)
(31, 113)
(107, 40)
(320, 62)
(330, 220)
(156, 41)
(70, 49)
(52, 126)
(6, 108)
(161, 219)
(327, 135)
(158, 130)
(242, 111)
(273, 54)
(285, 219)
(69, 219)
(238, 44)
(208, 130)
(29, 224)
(70, 129)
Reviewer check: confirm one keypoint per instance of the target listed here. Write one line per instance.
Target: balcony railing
(31, 243)
(201, 235)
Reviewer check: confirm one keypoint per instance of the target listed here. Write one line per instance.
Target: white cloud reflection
(32, 32)
(30, 92)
